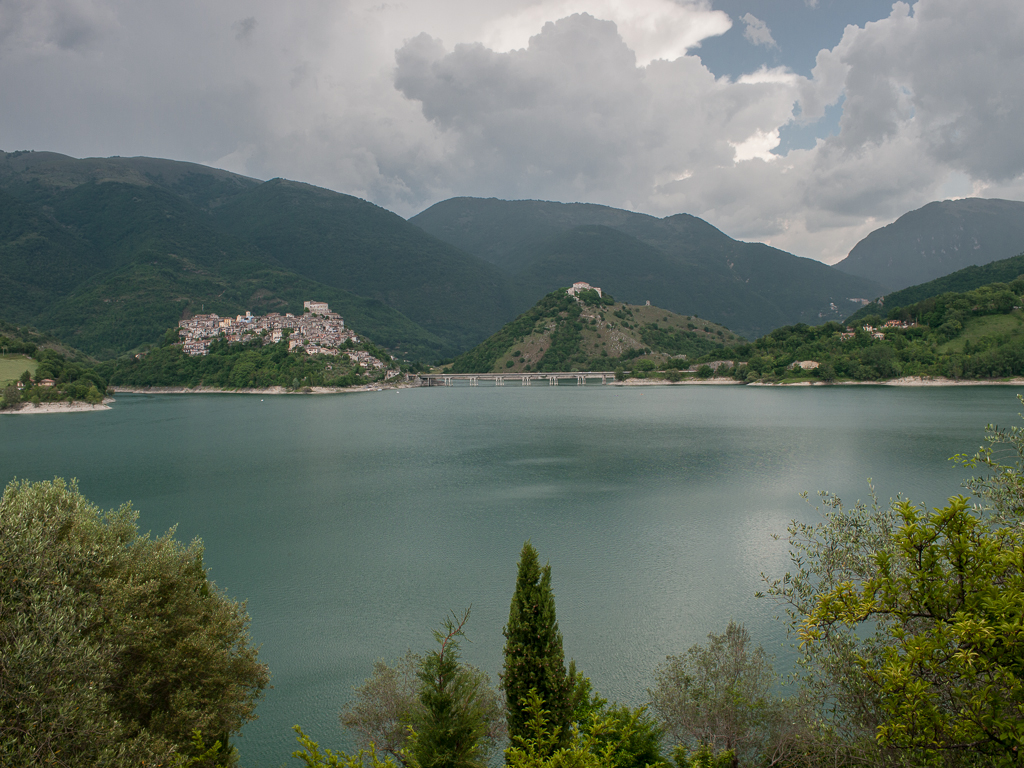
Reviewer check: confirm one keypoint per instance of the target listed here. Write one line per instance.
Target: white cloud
(757, 32)
(653, 29)
(528, 98)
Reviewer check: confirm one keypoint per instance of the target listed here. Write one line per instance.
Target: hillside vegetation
(680, 262)
(976, 334)
(106, 254)
(967, 279)
(592, 333)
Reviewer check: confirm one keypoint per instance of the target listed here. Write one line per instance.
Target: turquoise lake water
(352, 524)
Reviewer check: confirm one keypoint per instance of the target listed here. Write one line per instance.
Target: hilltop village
(318, 331)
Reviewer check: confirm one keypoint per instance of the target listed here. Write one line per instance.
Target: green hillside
(345, 242)
(969, 278)
(976, 334)
(680, 262)
(108, 253)
(561, 333)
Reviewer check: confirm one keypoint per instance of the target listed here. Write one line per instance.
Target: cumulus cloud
(604, 101)
(653, 29)
(575, 115)
(757, 32)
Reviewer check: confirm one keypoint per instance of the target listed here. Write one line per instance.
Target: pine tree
(451, 728)
(534, 659)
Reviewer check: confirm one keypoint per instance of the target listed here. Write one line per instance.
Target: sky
(805, 124)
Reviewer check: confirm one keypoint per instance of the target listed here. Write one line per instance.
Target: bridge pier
(499, 382)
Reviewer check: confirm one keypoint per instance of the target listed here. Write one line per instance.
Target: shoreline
(259, 391)
(903, 381)
(77, 406)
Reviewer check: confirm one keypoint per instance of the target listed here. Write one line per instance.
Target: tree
(910, 621)
(534, 659)
(950, 595)
(384, 706)
(719, 695)
(599, 743)
(388, 702)
(450, 728)
(115, 649)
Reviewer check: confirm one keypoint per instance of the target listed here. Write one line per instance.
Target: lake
(353, 523)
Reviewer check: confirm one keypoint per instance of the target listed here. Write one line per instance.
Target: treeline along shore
(973, 336)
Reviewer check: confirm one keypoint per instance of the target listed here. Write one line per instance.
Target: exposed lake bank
(59, 407)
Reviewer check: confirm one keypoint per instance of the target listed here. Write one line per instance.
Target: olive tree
(720, 696)
(115, 648)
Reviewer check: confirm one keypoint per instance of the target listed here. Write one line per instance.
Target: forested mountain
(938, 239)
(680, 262)
(343, 241)
(106, 254)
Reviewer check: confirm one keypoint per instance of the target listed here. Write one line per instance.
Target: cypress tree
(534, 659)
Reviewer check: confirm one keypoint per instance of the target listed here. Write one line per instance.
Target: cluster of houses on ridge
(318, 331)
(875, 333)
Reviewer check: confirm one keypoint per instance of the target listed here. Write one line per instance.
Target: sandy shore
(61, 407)
(264, 391)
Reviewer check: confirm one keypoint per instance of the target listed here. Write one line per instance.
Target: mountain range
(107, 253)
(938, 239)
(680, 263)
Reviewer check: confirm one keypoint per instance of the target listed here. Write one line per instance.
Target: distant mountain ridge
(938, 239)
(681, 262)
(106, 253)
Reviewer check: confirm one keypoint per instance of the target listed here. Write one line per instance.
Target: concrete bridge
(523, 379)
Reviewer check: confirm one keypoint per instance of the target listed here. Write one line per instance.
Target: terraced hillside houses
(317, 330)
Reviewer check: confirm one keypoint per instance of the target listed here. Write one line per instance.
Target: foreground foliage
(911, 623)
(115, 649)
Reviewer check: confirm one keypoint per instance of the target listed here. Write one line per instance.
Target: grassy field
(12, 366)
(976, 328)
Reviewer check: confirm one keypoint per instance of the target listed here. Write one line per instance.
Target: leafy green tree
(115, 649)
(910, 622)
(950, 594)
(534, 659)
(388, 702)
(598, 743)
